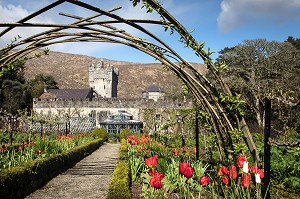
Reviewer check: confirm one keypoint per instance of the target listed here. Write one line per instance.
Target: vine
(205, 93)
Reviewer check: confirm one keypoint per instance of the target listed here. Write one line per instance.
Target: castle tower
(103, 80)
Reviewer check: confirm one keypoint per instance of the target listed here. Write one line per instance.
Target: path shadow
(93, 168)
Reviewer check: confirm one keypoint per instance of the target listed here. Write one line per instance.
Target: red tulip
(246, 180)
(186, 169)
(151, 161)
(175, 151)
(151, 172)
(183, 149)
(189, 171)
(223, 171)
(156, 183)
(158, 175)
(261, 173)
(20, 148)
(232, 168)
(225, 180)
(39, 151)
(240, 161)
(182, 167)
(254, 169)
(233, 173)
(204, 181)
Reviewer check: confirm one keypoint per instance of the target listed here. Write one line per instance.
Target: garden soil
(90, 178)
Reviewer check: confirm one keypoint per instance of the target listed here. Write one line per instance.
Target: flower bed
(174, 173)
(40, 147)
(23, 177)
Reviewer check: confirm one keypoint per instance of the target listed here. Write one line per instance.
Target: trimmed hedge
(101, 133)
(282, 193)
(22, 180)
(121, 178)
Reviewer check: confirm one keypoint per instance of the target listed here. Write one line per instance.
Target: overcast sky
(218, 23)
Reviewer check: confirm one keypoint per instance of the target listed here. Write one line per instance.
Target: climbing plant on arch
(221, 107)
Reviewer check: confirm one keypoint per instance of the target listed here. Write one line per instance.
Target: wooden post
(197, 135)
(69, 126)
(11, 123)
(267, 149)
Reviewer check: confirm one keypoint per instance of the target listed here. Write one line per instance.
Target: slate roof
(154, 88)
(66, 93)
(121, 117)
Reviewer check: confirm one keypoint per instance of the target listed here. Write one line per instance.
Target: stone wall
(101, 108)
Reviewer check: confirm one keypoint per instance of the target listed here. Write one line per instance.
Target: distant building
(154, 92)
(119, 121)
(99, 105)
(103, 80)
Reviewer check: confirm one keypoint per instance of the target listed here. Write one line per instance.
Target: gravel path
(89, 178)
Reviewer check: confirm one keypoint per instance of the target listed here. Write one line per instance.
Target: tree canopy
(261, 69)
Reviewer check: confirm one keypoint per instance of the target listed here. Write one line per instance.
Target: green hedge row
(282, 193)
(121, 178)
(19, 181)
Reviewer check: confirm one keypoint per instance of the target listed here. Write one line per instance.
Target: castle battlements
(108, 103)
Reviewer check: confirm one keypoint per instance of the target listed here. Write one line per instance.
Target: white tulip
(245, 167)
(257, 178)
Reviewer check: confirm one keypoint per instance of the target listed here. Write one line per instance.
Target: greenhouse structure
(119, 121)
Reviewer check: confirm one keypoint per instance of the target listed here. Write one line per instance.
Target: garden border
(121, 178)
(19, 181)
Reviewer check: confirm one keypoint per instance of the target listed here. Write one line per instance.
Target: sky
(218, 23)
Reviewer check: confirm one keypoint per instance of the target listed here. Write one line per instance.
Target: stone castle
(100, 101)
(103, 80)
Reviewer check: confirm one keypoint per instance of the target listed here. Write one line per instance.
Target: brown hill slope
(71, 71)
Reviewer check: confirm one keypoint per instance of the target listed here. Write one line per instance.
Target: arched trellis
(206, 94)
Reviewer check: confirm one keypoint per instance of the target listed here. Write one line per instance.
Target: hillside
(71, 71)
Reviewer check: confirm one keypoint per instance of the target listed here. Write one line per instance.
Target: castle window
(104, 86)
(157, 117)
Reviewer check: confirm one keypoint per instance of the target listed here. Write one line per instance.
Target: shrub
(100, 133)
(121, 178)
(282, 193)
(124, 133)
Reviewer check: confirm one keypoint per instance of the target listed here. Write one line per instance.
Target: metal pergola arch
(202, 89)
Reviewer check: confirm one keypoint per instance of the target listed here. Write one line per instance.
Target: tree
(40, 82)
(259, 69)
(15, 92)
(294, 42)
(15, 95)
